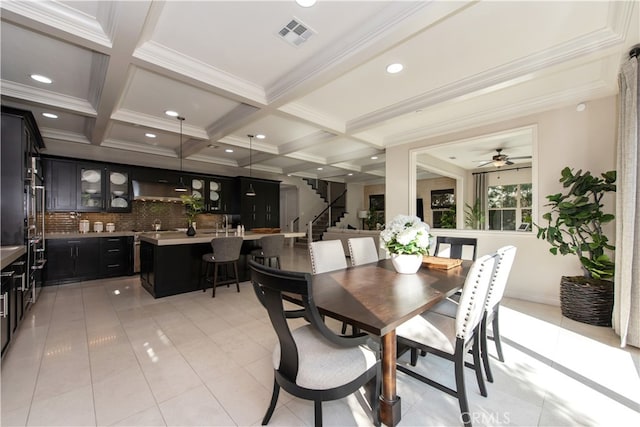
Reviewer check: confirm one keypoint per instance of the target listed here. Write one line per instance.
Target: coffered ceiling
(326, 105)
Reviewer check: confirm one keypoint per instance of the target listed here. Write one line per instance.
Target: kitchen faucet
(225, 222)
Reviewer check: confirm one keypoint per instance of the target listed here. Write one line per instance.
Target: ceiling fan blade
(484, 163)
(519, 157)
(509, 163)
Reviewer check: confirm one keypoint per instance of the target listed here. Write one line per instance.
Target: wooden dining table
(376, 299)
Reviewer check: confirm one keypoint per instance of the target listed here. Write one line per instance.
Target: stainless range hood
(155, 191)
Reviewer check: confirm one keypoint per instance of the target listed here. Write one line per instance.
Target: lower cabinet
(116, 256)
(11, 301)
(72, 260)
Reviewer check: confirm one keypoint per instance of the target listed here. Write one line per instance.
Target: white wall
(583, 140)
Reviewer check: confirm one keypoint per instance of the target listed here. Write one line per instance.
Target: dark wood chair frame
(270, 285)
(457, 244)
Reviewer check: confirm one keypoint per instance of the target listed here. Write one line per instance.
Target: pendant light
(251, 192)
(181, 188)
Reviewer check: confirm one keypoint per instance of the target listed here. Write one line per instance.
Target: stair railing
(328, 208)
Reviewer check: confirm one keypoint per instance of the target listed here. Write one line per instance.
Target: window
(443, 208)
(509, 206)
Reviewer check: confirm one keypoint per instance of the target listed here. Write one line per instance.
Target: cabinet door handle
(113, 265)
(5, 308)
(113, 240)
(71, 251)
(113, 250)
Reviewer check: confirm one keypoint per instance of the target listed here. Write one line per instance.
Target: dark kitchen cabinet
(263, 209)
(118, 192)
(11, 300)
(71, 260)
(20, 142)
(86, 187)
(218, 193)
(116, 256)
(61, 182)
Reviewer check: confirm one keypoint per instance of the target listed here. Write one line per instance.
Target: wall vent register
(295, 32)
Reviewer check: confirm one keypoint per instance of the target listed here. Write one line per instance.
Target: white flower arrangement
(405, 235)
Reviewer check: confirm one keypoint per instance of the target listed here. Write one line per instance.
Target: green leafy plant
(574, 224)
(374, 218)
(474, 216)
(193, 206)
(448, 218)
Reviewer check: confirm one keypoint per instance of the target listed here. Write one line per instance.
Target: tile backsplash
(142, 216)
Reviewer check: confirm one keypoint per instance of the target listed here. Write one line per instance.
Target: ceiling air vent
(295, 32)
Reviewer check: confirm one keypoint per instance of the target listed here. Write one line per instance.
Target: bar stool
(226, 251)
(270, 248)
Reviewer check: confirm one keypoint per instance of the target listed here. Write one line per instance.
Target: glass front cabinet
(118, 183)
(90, 193)
(216, 193)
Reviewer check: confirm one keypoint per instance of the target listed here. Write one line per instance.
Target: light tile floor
(106, 353)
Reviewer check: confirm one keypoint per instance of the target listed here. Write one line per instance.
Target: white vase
(406, 263)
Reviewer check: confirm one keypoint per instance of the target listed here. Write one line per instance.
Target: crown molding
(502, 113)
(213, 160)
(140, 148)
(168, 59)
(55, 134)
(571, 50)
(364, 36)
(60, 16)
(26, 93)
(301, 111)
(153, 122)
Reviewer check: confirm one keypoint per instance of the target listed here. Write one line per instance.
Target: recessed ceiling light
(374, 157)
(288, 174)
(228, 150)
(319, 169)
(42, 79)
(350, 174)
(50, 115)
(581, 107)
(171, 113)
(150, 135)
(306, 3)
(394, 68)
(260, 136)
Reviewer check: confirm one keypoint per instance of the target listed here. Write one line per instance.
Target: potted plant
(575, 226)
(193, 206)
(406, 238)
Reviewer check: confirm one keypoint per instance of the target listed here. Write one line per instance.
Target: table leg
(389, 401)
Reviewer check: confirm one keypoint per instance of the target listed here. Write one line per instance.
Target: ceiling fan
(500, 159)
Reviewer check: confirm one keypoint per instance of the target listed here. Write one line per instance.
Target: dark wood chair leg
(414, 356)
(496, 333)
(477, 366)
(484, 349)
(272, 405)
(317, 406)
(461, 393)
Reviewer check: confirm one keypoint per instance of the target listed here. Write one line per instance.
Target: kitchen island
(171, 262)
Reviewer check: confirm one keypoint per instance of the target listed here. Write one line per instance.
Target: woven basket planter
(586, 300)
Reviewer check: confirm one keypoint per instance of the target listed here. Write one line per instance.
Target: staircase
(338, 207)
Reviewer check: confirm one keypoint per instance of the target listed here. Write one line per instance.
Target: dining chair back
(270, 248)
(226, 252)
(506, 256)
(327, 255)
(451, 338)
(456, 247)
(362, 250)
(310, 361)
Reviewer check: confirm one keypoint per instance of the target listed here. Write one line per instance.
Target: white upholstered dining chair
(452, 337)
(362, 250)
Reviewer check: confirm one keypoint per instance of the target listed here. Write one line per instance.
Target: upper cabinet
(118, 194)
(217, 192)
(90, 188)
(263, 209)
(86, 187)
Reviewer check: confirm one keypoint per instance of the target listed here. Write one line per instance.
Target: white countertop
(78, 235)
(168, 238)
(9, 254)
